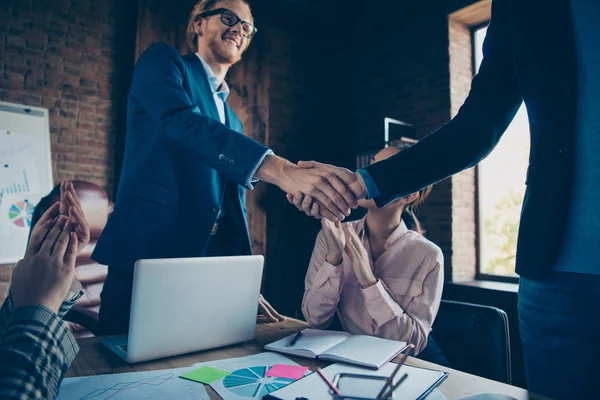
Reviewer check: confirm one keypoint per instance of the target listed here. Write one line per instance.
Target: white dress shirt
(220, 93)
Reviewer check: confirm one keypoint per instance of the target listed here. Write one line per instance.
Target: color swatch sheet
(249, 376)
(151, 385)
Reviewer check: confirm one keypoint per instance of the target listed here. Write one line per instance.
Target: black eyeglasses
(230, 19)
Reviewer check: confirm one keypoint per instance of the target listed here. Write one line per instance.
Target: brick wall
(60, 54)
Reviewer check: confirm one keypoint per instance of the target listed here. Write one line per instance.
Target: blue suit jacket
(178, 159)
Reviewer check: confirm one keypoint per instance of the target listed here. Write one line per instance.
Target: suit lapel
(207, 104)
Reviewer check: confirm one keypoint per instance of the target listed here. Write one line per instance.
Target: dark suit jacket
(528, 55)
(178, 159)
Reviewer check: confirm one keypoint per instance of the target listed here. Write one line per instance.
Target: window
(500, 188)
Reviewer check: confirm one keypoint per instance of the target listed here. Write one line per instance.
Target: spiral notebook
(365, 351)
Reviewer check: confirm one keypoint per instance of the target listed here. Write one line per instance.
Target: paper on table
(206, 375)
(149, 385)
(287, 371)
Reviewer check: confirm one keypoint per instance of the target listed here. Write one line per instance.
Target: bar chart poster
(16, 179)
(18, 173)
(25, 173)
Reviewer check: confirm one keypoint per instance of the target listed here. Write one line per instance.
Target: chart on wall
(25, 173)
(248, 376)
(152, 385)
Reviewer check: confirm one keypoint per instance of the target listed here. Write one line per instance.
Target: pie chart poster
(16, 211)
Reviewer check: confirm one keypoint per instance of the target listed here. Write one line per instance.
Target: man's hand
(268, 311)
(70, 206)
(44, 276)
(326, 188)
(359, 258)
(352, 179)
(309, 205)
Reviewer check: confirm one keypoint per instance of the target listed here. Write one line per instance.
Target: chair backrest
(475, 339)
(96, 207)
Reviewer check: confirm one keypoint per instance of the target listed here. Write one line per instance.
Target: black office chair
(475, 339)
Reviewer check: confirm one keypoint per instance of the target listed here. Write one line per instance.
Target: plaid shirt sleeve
(8, 308)
(36, 349)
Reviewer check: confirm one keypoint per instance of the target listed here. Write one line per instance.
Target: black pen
(295, 339)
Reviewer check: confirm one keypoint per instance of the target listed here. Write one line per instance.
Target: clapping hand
(359, 257)
(70, 206)
(336, 241)
(45, 275)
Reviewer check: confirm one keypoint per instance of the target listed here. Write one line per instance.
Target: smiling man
(187, 164)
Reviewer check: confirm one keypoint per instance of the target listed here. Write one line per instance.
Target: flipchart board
(25, 173)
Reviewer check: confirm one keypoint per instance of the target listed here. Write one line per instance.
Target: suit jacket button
(231, 162)
(222, 157)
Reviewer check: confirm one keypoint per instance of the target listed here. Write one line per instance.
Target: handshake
(319, 190)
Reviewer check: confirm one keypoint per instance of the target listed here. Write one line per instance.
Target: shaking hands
(319, 190)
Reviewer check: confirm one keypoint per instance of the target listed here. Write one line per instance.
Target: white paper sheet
(152, 385)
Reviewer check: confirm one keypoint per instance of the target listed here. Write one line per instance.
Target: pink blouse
(401, 306)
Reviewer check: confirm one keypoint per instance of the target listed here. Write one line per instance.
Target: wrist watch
(74, 290)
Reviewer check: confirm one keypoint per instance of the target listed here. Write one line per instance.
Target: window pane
(501, 189)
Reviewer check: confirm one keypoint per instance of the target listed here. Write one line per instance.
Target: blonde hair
(201, 7)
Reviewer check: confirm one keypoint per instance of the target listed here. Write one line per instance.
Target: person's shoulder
(160, 52)
(160, 47)
(425, 245)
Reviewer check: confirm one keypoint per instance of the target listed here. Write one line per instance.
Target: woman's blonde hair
(200, 7)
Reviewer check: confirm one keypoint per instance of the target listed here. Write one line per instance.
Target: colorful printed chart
(248, 378)
(252, 382)
(20, 214)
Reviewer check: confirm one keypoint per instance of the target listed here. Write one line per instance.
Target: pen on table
(328, 382)
(408, 350)
(295, 339)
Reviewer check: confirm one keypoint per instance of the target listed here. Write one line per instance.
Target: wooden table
(95, 359)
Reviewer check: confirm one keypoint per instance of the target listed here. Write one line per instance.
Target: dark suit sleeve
(157, 86)
(469, 137)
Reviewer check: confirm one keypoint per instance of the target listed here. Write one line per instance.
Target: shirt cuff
(372, 190)
(380, 305)
(68, 304)
(252, 173)
(62, 311)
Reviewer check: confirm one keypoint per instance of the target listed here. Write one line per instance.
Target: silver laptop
(184, 305)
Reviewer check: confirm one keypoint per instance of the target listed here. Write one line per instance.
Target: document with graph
(151, 385)
(250, 377)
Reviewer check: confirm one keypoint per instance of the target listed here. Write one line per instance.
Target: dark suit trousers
(560, 330)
